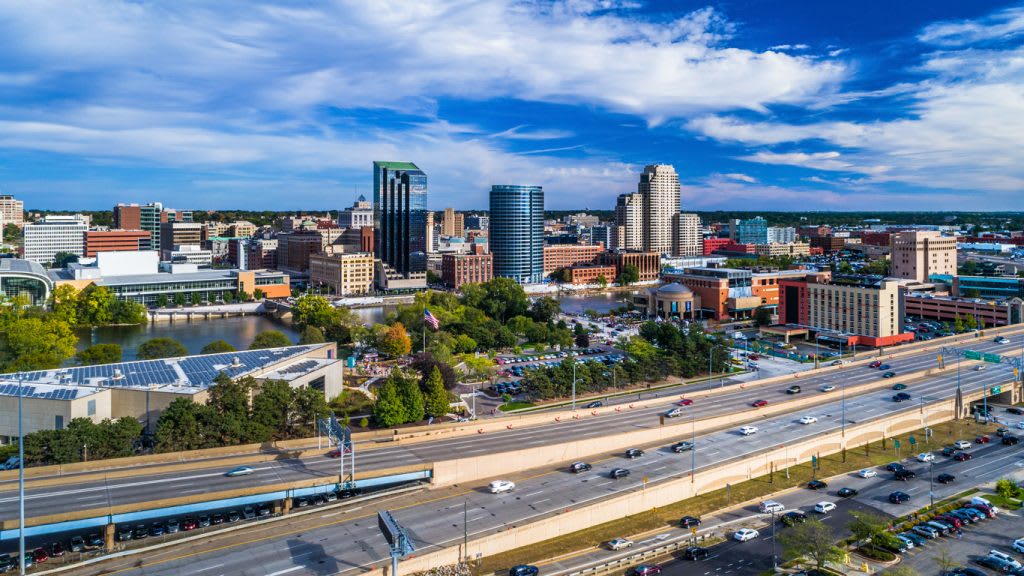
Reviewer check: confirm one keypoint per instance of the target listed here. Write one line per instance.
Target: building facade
(400, 223)
(459, 269)
(128, 217)
(850, 311)
(295, 248)
(629, 221)
(687, 239)
(453, 223)
(753, 231)
(566, 255)
(516, 235)
(919, 254)
(55, 234)
(777, 235)
(795, 249)
(584, 274)
(659, 185)
(97, 241)
(648, 263)
(359, 215)
(24, 278)
(346, 274)
(12, 210)
(173, 234)
(986, 313)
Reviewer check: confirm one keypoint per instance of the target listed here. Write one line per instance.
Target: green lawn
(515, 405)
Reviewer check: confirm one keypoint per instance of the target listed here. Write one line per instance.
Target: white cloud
(740, 177)
(784, 47)
(523, 133)
(1000, 25)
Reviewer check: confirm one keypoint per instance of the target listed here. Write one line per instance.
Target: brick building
(459, 269)
(561, 256)
(116, 241)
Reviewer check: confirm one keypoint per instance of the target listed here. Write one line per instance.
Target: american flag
(430, 319)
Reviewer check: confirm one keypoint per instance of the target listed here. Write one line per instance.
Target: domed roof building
(672, 300)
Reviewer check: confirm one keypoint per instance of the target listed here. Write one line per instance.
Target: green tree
(313, 310)
(259, 294)
(1007, 488)
(160, 348)
(180, 427)
(958, 324)
(311, 335)
(412, 399)
(179, 299)
(228, 297)
(124, 312)
(865, 525)
(630, 274)
(601, 281)
(501, 298)
(62, 259)
(395, 341)
(161, 301)
(196, 299)
(388, 409)
(434, 394)
(100, 354)
(217, 347)
(544, 309)
(310, 405)
(270, 339)
(64, 303)
(464, 344)
(34, 343)
(970, 323)
(272, 408)
(811, 539)
(95, 306)
(762, 316)
(582, 340)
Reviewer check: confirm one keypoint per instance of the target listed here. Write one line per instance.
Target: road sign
(993, 358)
(693, 530)
(896, 443)
(997, 390)
(972, 355)
(645, 480)
(814, 461)
(912, 441)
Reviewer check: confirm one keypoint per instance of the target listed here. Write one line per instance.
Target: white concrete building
(659, 186)
(54, 234)
(686, 237)
(629, 221)
(780, 235)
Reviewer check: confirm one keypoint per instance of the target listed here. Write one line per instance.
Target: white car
(808, 420)
(840, 363)
(499, 486)
(619, 543)
(1002, 340)
(674, 412)
(744, 534)
(748, 430)
(1020, 425)
(868, 473)
(979, 368)
(925, 457)
(961, 444)
(1018, 545)
(827, 388)
(824, 507)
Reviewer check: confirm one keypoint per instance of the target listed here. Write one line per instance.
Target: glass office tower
(400, 216)
(516, 235)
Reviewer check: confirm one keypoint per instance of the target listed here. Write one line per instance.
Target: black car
(217, 518)
(248, 513)
(966, 571)
(634, 453)
(349, 493)
(997, 564)
(695, 553)
(899, 497)
(949, 451)
(1002, 431)
(233, 516)
(1015, 410)
(7, 563)
(689, 521)
(817, 484)
(845, 492)
(904, 474)
(793, 517)
(77, 544)
(204, 520)
(617, 473)
(900, 397)
(595, 404)
(140, 532)
(894, 466)
(1011, 440)
(263, 510)
(124, 534)
(94, 541)
(945, 478)
(578, 467)
(523, 570)
(682, 446)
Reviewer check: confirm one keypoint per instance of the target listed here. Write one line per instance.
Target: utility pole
(21, 482)
(465, 530)
(775, 563)
(573, 383)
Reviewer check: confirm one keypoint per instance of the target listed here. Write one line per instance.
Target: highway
(341, 546)
(100, 495)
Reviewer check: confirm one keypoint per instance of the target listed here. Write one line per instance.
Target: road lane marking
(209, 568)
(286, 570)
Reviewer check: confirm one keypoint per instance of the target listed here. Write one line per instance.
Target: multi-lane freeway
(333, 545)
(93, 494)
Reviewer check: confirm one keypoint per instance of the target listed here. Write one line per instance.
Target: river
(240, 331)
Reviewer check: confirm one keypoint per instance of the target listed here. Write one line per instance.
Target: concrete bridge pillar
(286, 506)
(108, 537)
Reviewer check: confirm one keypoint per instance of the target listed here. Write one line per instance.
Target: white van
(769, 506)
(980, 500)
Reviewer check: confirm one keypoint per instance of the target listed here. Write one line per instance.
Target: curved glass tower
(516, 234)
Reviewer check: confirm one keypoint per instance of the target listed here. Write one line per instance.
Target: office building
(753, 231)
(459, 269)
(400, 224)
(477, 222)
(344, 274)
(128, 217)
(143, 389)
(918, 254)
(828, 243)
(629, 221)
(97, 241)
(252, 253)
(989, 287)
(711, 245)
(452, 224)
(567, 255)
(584, 274)
(295, 248)
(24, 278)
(241, 229)
(687, 239)
(794, 249)
(647, 263)
(189, 254)
(603, 234)
(52, 235)
(659, 185)
(848, 310)
(174, 234)
(12, 211)
(516, 235)
(152, 215)
(359, 215)
(778, 235)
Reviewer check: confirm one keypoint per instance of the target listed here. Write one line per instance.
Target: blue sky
(760, 104)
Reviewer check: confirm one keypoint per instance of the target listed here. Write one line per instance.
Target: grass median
(874, 454)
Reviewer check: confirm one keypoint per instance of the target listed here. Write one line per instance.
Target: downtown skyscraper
(400, 224)
(517, 233)
(659, 186)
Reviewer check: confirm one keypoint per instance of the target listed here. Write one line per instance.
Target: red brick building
(97, 241)
(712, 244)
(459, 269)
(561, 256)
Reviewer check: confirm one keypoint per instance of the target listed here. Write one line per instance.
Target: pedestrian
(959, 534)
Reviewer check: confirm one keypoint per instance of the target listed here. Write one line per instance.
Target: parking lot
(997, 533)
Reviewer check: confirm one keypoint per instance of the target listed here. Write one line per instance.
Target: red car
(875, 364)
(336, 453)
(40, 556)
(982, 439)
(189, 524)
(962, 456)
(754, 357)
(685, 402)
(646, 570)
(759, 403)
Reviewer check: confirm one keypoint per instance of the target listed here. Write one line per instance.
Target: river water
(240, 331)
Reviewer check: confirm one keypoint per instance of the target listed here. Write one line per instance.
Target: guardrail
(639, 557)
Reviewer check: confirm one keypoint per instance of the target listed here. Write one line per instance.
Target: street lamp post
(931, 484)
(574, 384)
(816, 336)
(693, 441)
(21, 482)
(775, 563)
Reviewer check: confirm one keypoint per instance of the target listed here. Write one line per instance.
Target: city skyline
(786, 107)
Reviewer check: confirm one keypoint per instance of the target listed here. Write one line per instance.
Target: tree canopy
(270, 339)
(160, 348)
(217, 347)
(100, 354)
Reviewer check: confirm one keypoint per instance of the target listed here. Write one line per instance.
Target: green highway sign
(972, 355)
(912, 440)
(997, 390)
(993, 358)
(896, 443)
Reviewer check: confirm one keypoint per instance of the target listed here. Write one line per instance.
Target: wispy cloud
(1000, 25)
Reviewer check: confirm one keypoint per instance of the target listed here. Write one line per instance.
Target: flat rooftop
(45, 391)
(187, 374)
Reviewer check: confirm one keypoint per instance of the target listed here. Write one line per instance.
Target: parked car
(248, 513)
(995, 563)
(926, 531)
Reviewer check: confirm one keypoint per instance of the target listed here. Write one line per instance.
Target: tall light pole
(574, 384)
(816, 336)
(21, 481)
(693, 440)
